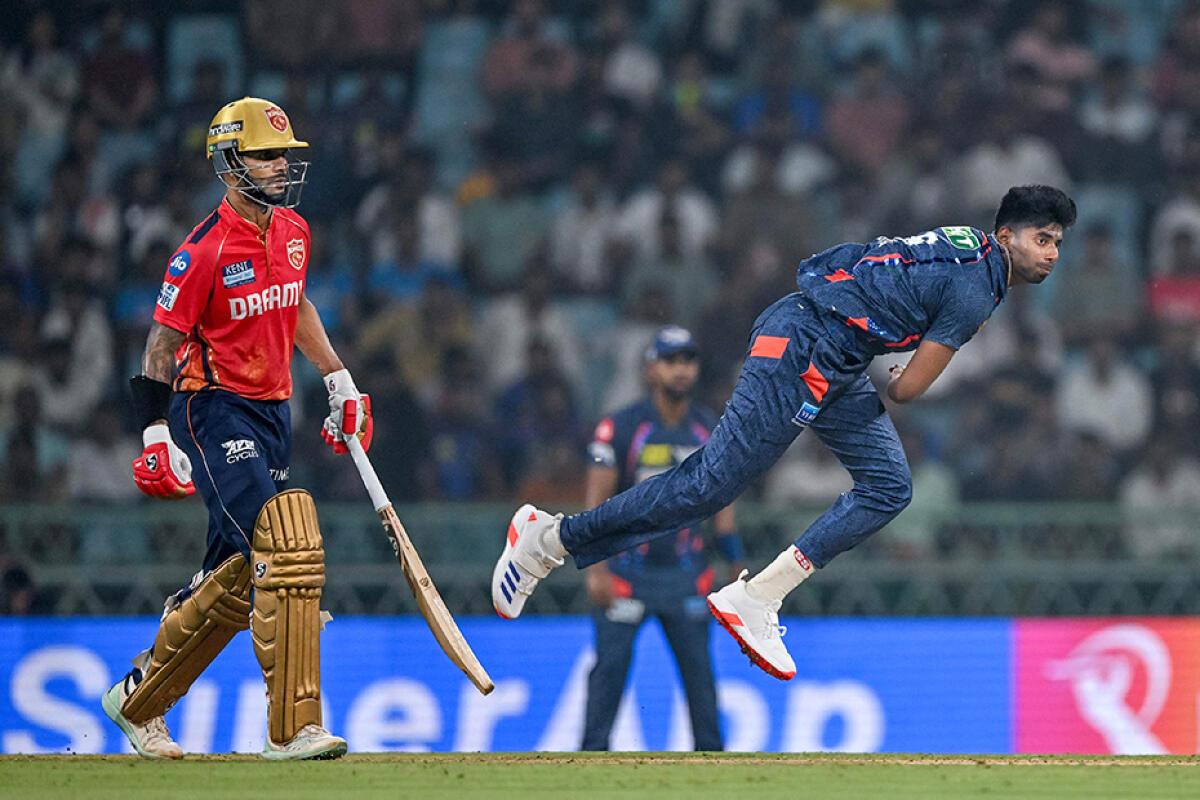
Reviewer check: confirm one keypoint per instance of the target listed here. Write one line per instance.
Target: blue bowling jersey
(941, 285)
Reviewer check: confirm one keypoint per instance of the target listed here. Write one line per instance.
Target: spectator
(1181, 213)
(1117, 123)
(1107, 396)
(463, 464)
(508, 324)
(502, 231)
(1095, 293)
(536, 414)
(641, 218)
(41, 81)
(1158, 498)
(581, 234)
(526, 31)
(1175, 380)
(868, 120)
(1004, 158)
(689, 284)
(632, 71)
(1047, 46)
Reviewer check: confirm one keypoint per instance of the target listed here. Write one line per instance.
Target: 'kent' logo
(962, 237)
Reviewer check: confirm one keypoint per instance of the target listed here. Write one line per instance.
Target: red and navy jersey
(235, 291)
(941, 285)
(637, 443)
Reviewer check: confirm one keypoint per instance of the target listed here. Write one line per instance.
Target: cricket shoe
(150, 739)
(311, 743)
(755, 626)
(531, 550)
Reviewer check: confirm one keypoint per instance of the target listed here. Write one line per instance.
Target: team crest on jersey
(295, 251)
(277, 118)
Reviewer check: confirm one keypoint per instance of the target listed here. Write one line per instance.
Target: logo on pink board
(1107, 686)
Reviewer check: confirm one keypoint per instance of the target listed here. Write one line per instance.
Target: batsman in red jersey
(212, 401)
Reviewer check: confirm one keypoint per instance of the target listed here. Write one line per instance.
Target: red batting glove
(362, 423)
(162, 470)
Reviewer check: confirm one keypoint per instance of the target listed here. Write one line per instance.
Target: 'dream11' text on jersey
(235, 292)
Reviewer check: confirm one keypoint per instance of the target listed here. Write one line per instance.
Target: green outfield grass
(618, 775)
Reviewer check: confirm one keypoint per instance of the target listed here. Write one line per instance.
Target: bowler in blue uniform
(928, 293)
(667, 577)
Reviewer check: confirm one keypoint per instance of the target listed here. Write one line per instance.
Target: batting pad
(288, 572)
(190, 637)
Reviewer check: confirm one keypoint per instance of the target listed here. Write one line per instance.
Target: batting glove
(162, 470)
(349, 413)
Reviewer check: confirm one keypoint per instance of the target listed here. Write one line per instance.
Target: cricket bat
(433, 608)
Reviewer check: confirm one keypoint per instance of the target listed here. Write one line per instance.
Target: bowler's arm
(910, 381)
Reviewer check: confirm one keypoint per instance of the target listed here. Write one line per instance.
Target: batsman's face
(676, 374)
(1034, 250)
(268, 170)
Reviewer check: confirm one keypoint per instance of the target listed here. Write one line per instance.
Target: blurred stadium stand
(487, 175)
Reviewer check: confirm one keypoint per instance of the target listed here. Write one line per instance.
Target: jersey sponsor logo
(226, 127)
(805, 416)
(167, 295)
(962, 237)
(269, 299)
(237, 274)
(277, 118)
(280, 474)
(179, 263)
(657, 455)
(239, 450)
(295, 251)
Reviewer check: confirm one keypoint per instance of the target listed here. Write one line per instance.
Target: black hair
(1035, 206)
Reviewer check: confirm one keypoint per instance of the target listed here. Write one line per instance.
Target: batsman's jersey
(235, 292)
(941, 285)
(638, 444)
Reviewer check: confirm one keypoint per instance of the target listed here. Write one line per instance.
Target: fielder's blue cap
(671, 340)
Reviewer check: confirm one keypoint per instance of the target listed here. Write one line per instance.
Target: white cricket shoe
(529, 555)
(312, 742)
(150, 739)
(755, 626)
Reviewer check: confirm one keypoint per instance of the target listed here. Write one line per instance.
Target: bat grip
(379, 497)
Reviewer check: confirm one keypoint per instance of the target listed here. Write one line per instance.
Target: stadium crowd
(509, 198)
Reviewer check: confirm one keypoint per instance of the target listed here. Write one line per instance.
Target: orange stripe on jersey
(840, 275)
(905, 341)
(769, 346)
(857, 322)
(817, 383)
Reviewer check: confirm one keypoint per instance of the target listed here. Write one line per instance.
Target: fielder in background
(804, 368)
(212, 401)
(667, 577)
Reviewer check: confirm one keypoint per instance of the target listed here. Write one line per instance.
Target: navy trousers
(686, 627)
(241, 452)
(802, 370)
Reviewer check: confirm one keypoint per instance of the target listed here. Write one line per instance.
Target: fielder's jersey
(941, 285)
(235, 292)
(638, 444)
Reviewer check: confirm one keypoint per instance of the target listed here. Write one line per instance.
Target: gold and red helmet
(249, 126)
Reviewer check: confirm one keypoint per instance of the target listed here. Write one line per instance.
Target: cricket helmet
(253, 125)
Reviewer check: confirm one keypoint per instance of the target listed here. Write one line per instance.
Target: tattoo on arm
(158, 360)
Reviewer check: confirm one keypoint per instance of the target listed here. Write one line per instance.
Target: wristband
(730, 546)
(151, 399)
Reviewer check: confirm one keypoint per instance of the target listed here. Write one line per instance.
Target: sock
(786, 572)
(552, 540)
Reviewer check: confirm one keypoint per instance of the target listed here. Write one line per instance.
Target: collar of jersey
(239, 219)
(998, 267)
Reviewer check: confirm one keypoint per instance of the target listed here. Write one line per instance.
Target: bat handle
(379, 497)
